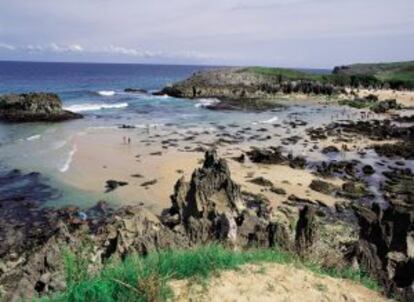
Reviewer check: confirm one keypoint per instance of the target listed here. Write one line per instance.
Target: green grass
(283, 73)
(396, 75)
(145, 278)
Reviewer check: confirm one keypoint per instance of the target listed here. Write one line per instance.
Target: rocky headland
(34, 107)
(257, 87)
(246, 84)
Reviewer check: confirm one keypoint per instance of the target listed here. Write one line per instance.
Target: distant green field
(289, 74)
(396, 74)
(393, 75)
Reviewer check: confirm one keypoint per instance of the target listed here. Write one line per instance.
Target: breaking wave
(206, 102)
(94, 107)
(106, 92)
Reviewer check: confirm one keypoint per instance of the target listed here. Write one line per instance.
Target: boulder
(34, 107)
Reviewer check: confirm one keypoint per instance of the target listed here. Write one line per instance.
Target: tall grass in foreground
(145, 278)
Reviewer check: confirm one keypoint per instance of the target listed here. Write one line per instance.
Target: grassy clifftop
(393, 75)
(397, 73)
(285, 73)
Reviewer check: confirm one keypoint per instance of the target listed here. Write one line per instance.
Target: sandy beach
(157, 157)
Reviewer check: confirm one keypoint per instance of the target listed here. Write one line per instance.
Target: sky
(284, 33)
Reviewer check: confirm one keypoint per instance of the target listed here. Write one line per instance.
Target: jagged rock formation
(306, 230)
(211, 207)
(386, 245)
(34, 107)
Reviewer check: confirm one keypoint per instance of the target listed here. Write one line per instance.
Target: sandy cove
(101, 155)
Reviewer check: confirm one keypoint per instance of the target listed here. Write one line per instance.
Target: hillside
(397, 73)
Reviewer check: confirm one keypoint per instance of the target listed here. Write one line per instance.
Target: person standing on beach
(124, 140)
(129, 141)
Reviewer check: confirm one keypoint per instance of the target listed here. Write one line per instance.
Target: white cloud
(75, 48)
(115, 50)
(7, 46)
(112, 49)
(52, 47)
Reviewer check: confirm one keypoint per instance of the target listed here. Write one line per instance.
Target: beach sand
(101, 155)
(405, 98)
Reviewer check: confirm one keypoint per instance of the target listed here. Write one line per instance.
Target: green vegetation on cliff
(140, 278)
(284, 73)
(394, 75)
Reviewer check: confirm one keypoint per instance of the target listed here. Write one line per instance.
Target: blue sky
(287, 33)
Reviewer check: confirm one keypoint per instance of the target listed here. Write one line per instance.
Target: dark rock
(149, 183)
(279, 191)
(135, 90)
(354, 190)
(125, 126)
(240, 159)
(368, 170)
(404, 119)
(261, 181)
(399, 149)
(384, 106)
(137, 175)
(323, 187)
(376, 129)
(113, 184)
(34, 107)
(266, 156)
(337, 168)
(399, 187)
(274, 155)
(306, 230)
(330, 149)
(385, 248)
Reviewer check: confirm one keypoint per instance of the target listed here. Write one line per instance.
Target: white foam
(33, 137)
(58, 145)
(206, 102)
(66, 166)
(270, 121)
(106, 92)
(144, 126)
(94, 107)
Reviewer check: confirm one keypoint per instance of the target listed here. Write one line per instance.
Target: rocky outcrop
(400, 149)
(243, 84)
(386, 245)
(274, 156)
(34, 107)
(211, 207)
(385, 248)
(376, 129)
